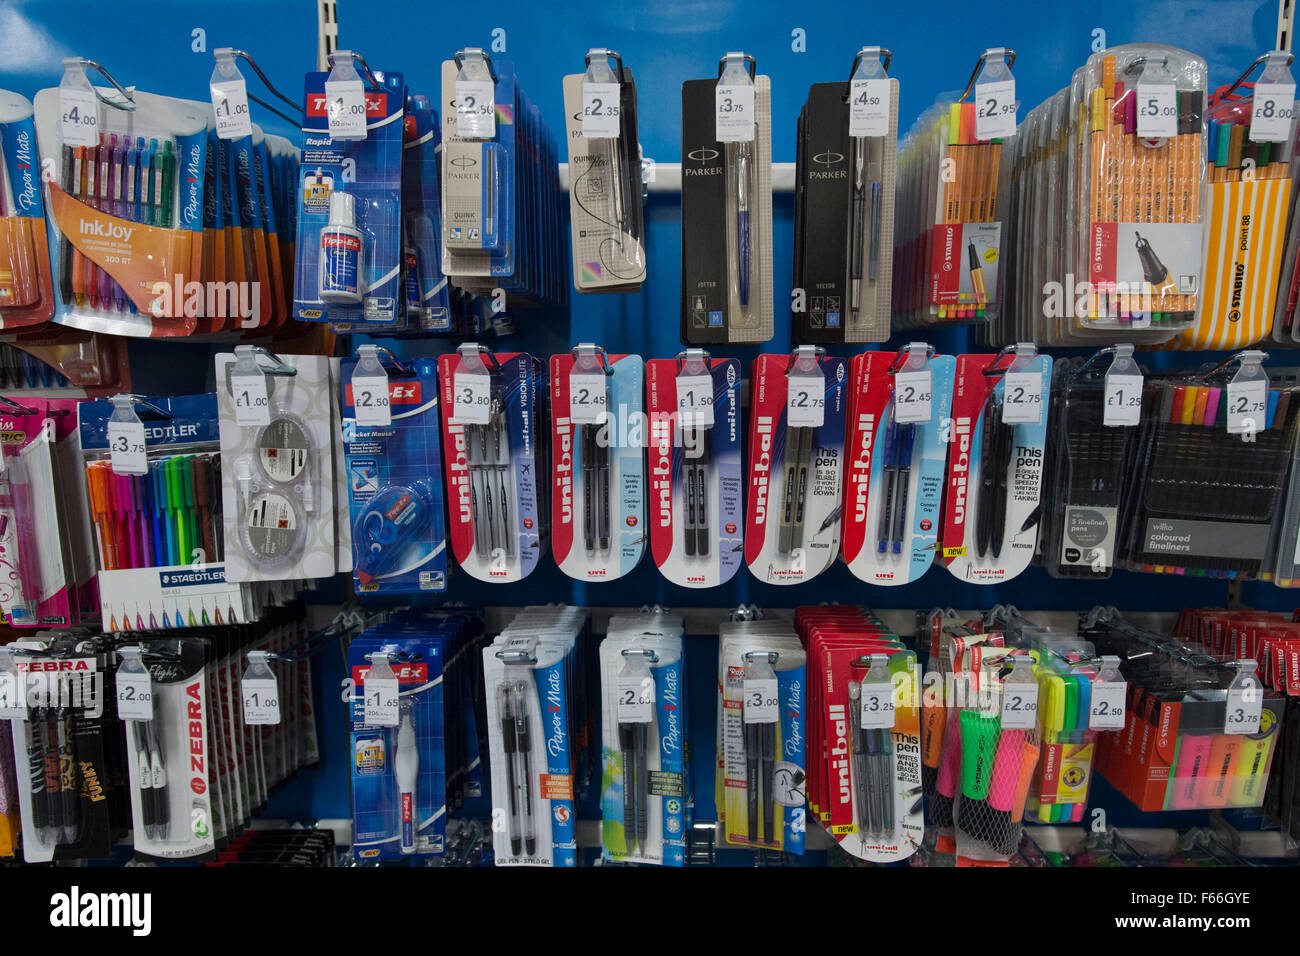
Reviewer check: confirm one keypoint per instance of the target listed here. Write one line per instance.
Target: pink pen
(124, 501)
(1212, 407)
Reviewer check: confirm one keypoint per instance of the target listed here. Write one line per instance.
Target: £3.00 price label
(370, 401)
(877, 707)
(636, 699)
(126, 448)
(1022, 397)
(381, 697)
(252, 404)
(913, 396)
(995, 109)
(1157, 110)
(472, 399)
(1247, 406)
(758, 695)
(600, 110)
(1273, 106)
(134, 695)
(695, 401)
(1106, 711)
(1019, 706)
(261, 701)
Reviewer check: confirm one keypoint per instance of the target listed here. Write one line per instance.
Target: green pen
(168, 183)
(190, 514)
(176, 504)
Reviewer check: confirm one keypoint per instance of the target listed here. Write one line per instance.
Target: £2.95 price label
(995, 109)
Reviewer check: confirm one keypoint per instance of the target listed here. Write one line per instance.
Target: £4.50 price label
(869, 107)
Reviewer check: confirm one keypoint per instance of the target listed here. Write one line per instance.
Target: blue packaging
(425, 286)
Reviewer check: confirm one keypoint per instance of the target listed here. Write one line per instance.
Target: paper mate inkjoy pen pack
(349, 200)
(424, 287)
(26, 289)
(695, 502)
(394, 475)
(896, 455)
(796, 458)
(598, 487)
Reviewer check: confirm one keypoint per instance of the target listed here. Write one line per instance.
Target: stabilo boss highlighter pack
(995, 464)
(896, 452)
(695, 501)
(125, 204)
(494, 441)
(598, 486)
(26, 290)
(796, 459)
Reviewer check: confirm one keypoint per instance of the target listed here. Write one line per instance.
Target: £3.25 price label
(876, 709)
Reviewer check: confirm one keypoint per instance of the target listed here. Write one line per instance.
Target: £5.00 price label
(1157, 110)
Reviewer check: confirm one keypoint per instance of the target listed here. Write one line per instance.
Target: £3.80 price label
(471, 399)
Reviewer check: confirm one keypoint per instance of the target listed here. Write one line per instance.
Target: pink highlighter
(1189, 769)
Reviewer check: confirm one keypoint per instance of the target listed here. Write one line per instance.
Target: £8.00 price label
(381, 697)
(1272, 109)
(600, 110)
(913, 396)
(695, 401)
(252, 404)
(1022, 397)
(370, 401)
(1019, 706)
(471, 399)
(995, 109)
(758, 695)
(636, 699)
(126, 448)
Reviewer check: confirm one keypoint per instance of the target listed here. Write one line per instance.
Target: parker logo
(77, 910)
(829, 158)
(464, 162)
(702, 155)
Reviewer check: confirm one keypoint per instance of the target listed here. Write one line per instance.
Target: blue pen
(1272, 409)
(161, 511)
(903, 461)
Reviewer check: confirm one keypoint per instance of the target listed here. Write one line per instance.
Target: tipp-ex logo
(376, 104)
(399, 393)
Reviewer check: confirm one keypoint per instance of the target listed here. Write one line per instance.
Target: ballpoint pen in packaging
(26, 289)
(695, 510)
(796, 454)
(425, 288)
(598, 486)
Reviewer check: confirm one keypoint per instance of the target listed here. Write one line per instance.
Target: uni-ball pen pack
(495, 431)
(995, 464)
(26, 289)
(695, 502)
(349, 202)
(424, 287)
(894, 470)
(727, 205)
(598, 486)
(796, 462)
(394, 477)
(606, 213)
(125, 204)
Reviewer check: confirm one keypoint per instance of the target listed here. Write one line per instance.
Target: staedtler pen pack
(424, 287)
(26, 290)
(598, 487)
(395, 480)
(894, 473)
(796, 462)
(696, 498)
(995, 464)
(125, 205)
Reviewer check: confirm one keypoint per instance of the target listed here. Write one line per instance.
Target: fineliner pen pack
(26, 289)
(606, 211)
(394, 483)
(349, 210)
(495, 430)
(727, 206)
(598, 486)
(995, 465)
(760, 786)
(695, 502)
(277, 460)
(796, 461)
(424, 287)
(894, 471)
(125, 206)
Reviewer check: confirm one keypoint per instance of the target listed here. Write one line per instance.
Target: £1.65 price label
(380, 695)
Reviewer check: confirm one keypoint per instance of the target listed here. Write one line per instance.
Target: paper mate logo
(794, 730)
(192, 577)
(376, 105)
(26, 192)
(671, 741)
(191, 215)
(555, 707)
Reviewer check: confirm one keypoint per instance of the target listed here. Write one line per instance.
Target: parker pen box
(26, 290)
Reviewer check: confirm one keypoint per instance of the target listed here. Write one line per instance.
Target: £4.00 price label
(126, 448)
(1273, 107)
(381, 697)
(1157, 110)
(877, 707)
(1247, 406)
(370, 401)
(758, 695)
(252, 404)
(913, 396)
(261, 701)
(472, 399)
(636, 699)
(1022, 397)
(995, 109)
(1019, 706)
(600, 110)
(695, 401)
(134, 695)
(78, 116)
(1106, 711)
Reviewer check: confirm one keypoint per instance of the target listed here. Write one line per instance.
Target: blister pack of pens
(501, 190)
(797, 411)
(598, 486)
(864, 775)
(644, 782)
(949, 234)
(531, 675)
(995, 464)
(606, 208)
(425, 290)
(846, 167)
(26, 290)
(394, 474)
(695, 500)
(727, 205)
(126, 204)
(896, 453)
(495, 428)
(761, 781)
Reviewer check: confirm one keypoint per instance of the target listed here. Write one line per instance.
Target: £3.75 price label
(126, 448)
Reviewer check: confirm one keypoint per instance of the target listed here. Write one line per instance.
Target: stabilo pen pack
(995, 464)
(796, 459)
(893, 486)
(425, 293)
(695, 501)
(26, 290)
(494, 441)
(394, 476)
(598, 487)
(125, 203)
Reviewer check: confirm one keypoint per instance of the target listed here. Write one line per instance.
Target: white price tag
(1245, 707)
(476, 116)
(734, 112)
(695, 401)
(636, 699)
(472, 402)
(1106, 712)
(1123, 400)
(877, 707)
(1157, 110)
(913, 396)
(1022, 398)
(587, 397)
(261, 700)
(134, 695)
(380, 695)
(759, 697)
(13, 692)
(78, 117)
(1272, 111)
(1247, 406)
(600, 110)
(370, 400)
(126, 448)
(252, 404)
(995, 109)
(805, 402)
(230, 107)
(1019, 706)
(869, 107)
(345, 104)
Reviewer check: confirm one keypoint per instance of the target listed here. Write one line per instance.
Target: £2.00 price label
(636, 699)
